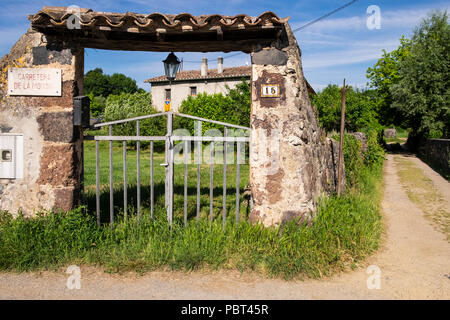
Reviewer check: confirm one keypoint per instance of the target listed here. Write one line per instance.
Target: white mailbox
(11, 156)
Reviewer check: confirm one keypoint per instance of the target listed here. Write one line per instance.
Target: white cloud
(342, 57)
(389, 19)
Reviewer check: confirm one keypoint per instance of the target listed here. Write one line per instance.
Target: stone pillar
(291, 161)
(52, 144)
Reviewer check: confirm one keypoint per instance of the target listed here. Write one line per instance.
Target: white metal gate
(226, 139)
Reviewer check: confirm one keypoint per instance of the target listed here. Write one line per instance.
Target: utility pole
(341, 143)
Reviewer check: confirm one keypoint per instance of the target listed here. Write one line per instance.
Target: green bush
(360, 110)
(234, 107)
(374, 156)
(129, 105)
(356, 160)
(353, 158)
(97, 105)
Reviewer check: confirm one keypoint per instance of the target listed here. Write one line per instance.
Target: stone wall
(298, 164)
(292, 163)
(52, 144)
(436, 152)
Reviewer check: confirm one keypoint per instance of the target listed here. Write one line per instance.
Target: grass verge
(421, 190)
(344, 232)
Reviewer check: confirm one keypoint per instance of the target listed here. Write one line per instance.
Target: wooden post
(341, 143)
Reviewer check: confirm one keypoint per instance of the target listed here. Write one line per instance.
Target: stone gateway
(291, 162)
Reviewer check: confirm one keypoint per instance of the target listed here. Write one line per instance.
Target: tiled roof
(159, 32)
(233, 72)
(58, 17)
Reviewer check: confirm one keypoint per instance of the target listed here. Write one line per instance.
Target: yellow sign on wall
(166, 105)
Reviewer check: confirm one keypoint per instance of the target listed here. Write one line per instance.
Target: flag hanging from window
(166, 105)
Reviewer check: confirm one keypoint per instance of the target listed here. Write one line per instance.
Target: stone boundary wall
(437, 153)
(292, 163)
(52, 163)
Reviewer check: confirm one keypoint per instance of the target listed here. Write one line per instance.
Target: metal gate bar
(169, 166)
(138, 177)
(211, 186)
(224, 201)
(97, 181)
(125, 191)
(199, 161)
(185, 180)
(111, 182)
(238, 157)
(151, 182)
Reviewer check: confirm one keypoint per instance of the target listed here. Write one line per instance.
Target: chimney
(204, 69)
(220, 65)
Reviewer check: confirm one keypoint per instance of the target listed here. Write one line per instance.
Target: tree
(422, 95)
(103, 85)
(120, 83)
(382, 76)
(360, 112)
(96, 82)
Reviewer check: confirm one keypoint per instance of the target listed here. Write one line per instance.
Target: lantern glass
(171, 66)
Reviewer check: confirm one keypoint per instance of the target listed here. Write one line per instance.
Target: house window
(168, 94)
(193, 91)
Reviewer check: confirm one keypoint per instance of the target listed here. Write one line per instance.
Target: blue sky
(338, 47)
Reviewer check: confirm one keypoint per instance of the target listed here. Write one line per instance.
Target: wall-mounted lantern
(171, 66)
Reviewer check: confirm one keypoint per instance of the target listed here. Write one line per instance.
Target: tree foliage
(382, 76)
(96, 82)
(360, 111)
(98, 104)
(98, 86)
(129, 105)
(422, 95)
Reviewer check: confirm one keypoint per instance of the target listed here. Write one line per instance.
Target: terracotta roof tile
(58, 17)
(233, 72)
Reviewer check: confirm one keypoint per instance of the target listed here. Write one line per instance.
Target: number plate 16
(270, 90)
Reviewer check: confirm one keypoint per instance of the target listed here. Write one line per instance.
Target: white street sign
(34, 82)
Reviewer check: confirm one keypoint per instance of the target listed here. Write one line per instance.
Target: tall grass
(344, 231)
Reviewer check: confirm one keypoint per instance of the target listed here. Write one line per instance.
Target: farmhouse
(191, 82)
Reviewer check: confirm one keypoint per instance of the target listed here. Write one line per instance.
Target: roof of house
(232, 72)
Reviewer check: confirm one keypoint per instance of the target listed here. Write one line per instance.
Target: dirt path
(414, 263)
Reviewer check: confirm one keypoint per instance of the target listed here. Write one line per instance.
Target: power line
(325, 15)
(298, 29)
